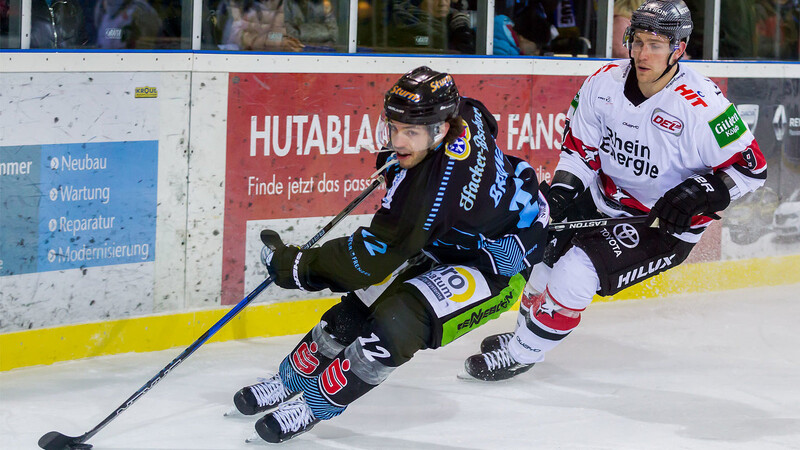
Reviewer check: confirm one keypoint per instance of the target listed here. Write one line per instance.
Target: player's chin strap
(389, 162)
(670, 66)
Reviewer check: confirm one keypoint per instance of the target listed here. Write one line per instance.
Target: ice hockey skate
(265, 396)
(495, 365)
(292, 417)
(495, 342)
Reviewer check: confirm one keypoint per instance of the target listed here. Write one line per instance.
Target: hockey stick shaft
(594, 223)
(54, 440)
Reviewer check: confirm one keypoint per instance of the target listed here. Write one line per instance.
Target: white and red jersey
(630, 154)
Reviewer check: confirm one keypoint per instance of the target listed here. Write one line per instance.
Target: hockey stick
(594, 223)
(57, 441)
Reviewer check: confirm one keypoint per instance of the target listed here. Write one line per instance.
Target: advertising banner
(67, 206)
(299, 149)
(767, 221)
(79, 171)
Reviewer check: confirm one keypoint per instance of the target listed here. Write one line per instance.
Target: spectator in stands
(777, 23)
(171, 15)
(256, 25)
(548, 26)
(622, 20)
(126, 24)
(57, 24)
(312, 22)
(507, 41)
(4, 20)
(431, 25)
(373, 33)
(738, 30)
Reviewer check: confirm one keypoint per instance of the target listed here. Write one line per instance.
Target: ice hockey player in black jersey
(460, 220)
(646, 136)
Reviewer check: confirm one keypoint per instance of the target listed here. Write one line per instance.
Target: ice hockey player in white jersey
(644, 136)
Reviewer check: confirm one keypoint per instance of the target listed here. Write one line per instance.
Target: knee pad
(397, 327)
(400, 326)
(538, 279)
(573, 281)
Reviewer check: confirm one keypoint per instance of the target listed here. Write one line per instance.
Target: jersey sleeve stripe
(590, 157)
(750, 162)
(748, 173)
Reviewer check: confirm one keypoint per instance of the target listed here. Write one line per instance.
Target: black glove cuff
(289, 266)
(719, 196)
(564, 188)
(290, 269)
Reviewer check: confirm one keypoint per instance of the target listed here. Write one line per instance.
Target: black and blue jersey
(466, 203)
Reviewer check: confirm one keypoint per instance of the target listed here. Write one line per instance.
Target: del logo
(459, 149)
(145, 92)
(304, 360)
(727, 127)
(665, 121)
(332, 379)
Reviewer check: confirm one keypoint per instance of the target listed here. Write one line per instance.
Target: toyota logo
(627, 235)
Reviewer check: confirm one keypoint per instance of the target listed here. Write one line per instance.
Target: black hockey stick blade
(57, 441)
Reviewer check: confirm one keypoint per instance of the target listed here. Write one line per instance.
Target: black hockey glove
(560, 194)
(698, 194)
(285, 263)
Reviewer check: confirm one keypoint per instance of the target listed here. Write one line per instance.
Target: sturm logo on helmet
(422, 97)
(436, 84)
(397, 90)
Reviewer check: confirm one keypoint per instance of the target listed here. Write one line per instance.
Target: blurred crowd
(749, 29)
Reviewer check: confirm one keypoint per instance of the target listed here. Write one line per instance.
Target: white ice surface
(711, 371)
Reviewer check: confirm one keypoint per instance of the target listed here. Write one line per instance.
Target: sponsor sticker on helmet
(727, 127)
(437, 84)
(397, 90)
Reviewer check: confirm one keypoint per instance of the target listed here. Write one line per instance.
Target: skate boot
(261, 397)
(494, 365)
(495, 342)
(292, 417)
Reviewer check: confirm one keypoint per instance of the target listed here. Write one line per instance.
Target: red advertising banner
(298, 145)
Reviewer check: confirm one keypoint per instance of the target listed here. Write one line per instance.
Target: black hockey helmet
(668, 18)
(422, 97)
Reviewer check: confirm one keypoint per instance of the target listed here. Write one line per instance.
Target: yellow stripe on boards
(715, 276)
(159, 332)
